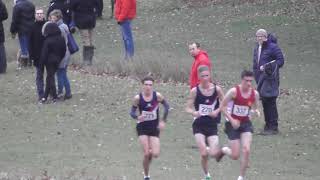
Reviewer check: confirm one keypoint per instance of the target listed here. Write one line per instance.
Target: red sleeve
(124, 10)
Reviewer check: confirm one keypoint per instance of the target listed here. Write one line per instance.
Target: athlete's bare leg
(201, 143)
(147, 157)
(154, 146)
(214, 148)
(246, 139)
(233, 151)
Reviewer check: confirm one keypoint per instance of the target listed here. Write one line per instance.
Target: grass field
(92, 135)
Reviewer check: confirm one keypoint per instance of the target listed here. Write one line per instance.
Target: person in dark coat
(267, 54)
(53, 51)
(22, 22)
(36, 43)
(3, 58)
(84, 17)
(64, 7)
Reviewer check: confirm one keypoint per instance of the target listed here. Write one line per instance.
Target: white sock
(208, 175)
(240, 178)
(227, 151)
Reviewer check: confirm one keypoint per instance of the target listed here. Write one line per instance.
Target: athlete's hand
(256, 112)
(235, 124)
(196, 114)
(261, 68)
(161, 125)
(140, 119)
(214, 114)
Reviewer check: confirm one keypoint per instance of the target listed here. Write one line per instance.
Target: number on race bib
(241, 111)
(149, 116)
(205, 110)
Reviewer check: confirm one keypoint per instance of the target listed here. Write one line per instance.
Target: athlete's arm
(134, 107)
(165, 106)
(220, 97)
(227, 98)
(189, 107)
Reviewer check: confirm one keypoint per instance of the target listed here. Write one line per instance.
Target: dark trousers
(50, 81)
(3, 59)
(39, 82)
(270, 112)
(100, 8)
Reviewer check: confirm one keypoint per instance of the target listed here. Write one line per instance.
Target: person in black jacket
(63, 6)
(22, 21)
(84, 16)
(100, 9)
(53, 51)
(36, 43)
(3, 59)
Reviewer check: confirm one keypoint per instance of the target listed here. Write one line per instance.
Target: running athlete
(203, 104)
(149, 123)
(244, 103)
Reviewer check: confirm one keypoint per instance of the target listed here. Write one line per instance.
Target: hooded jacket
(125, 9)
(22, 17)
(270, 51)
(54, 46)
(201, 59)
(3, 16)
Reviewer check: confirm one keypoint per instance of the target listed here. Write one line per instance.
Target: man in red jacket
(125, 13)
(200, 58)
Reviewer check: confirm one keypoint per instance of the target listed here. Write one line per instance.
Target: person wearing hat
(267, 60)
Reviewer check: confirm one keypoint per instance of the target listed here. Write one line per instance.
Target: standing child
(53, 51)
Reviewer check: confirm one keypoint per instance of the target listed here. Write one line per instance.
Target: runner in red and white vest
(238, 127)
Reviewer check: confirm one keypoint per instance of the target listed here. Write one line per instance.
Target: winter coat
(201, 59)
(268, 84)
(125, 9)
(270, 51)
(3, 16)
(84, 13)
(22, 17)
(36, 42)
(63, 6)
(54, 46)
(64, 32)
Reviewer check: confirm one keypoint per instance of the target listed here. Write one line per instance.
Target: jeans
(63, 81)
(270, 112)
(3, 59)
(125, 27)
(39, 82)
(24, 41)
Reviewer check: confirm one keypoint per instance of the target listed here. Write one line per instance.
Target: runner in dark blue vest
(204, 106)
(149, 124)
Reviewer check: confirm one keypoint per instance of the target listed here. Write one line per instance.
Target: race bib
(241, 111)
(149, 116)
(205, 110)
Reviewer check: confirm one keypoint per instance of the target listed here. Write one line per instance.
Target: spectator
(200, 58)
(3, 58)
(22, 22)
(53, 51)
(36, 43)
(84, 17)
(265, 53)
(63, 81)
(125, 12)
(64, 7)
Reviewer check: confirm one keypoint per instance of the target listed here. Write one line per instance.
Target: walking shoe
(269, 132)
(146, 178)
(66, 97)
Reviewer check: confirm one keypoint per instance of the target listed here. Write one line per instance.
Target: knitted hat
(262, 32)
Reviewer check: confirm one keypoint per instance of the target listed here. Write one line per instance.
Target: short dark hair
(197, 44)
(203, 68)
(147, 78)
(246, 73)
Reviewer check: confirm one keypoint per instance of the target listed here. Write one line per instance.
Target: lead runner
(149, 124)
(203, 104)
(238, 127)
